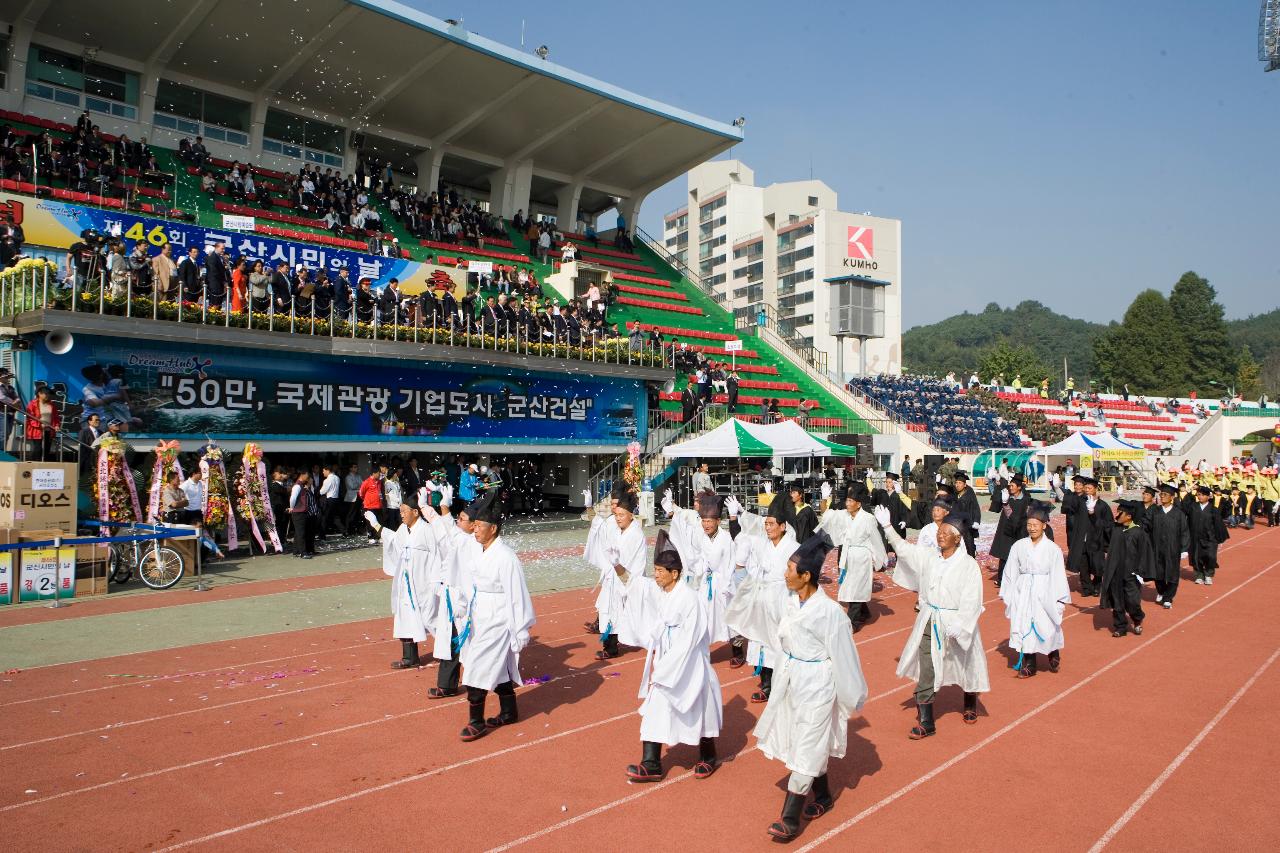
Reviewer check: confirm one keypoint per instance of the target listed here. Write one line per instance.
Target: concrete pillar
(630, 209)
(148, 85)
(579, 478)
(257, 121)
(428, 163)
(509, 188)
(567, 198)
(19, 46)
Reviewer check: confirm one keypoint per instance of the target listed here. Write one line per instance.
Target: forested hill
(961, 342)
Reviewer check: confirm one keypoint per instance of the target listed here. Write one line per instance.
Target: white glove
(735, 508)
(882, 516)
(424, 496)
(1183, 555)
(952, 631)
(519, 642)
(446, 492)
(612, 555)
(373, 521)
(826, 491)
(586, 497)
(768, 487)
(1004, 496)
(1140, 578)
(668, 505)
(428, 512)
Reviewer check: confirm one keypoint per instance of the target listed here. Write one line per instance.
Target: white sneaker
(1168, 605)
(1200, 581)
(1159, 598)
(1208, 580)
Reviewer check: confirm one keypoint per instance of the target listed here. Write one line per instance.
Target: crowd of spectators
(85, 161)
(954, 420)
(1033, 423)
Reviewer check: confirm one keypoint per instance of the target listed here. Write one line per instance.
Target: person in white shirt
(568, 254)
(330, 493)
(193, 489)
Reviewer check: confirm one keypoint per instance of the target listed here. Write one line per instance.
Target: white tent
(737, 439)
(1088, 443)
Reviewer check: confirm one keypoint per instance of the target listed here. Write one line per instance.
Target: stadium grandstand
(503, 206)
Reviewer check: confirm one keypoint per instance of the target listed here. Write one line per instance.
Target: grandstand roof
(376, 65)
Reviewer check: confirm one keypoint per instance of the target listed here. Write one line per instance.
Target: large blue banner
(58, 224)
(167, 390)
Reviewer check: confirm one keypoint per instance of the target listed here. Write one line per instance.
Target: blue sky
(1071, 153)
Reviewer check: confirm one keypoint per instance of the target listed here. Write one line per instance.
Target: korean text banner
(174, 391)
(57, 224)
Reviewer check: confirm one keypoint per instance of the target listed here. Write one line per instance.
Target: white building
(788, 247)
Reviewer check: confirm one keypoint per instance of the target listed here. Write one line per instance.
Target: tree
(1270, 374)
(1009, 362)
(1248, 375)
(1198, 320)
(1140, 352)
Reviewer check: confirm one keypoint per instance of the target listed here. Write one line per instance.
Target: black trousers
(450, 670)
(1091, 569)
(303, 535)
(327, 516)
(1126, 600)
(1167, 589)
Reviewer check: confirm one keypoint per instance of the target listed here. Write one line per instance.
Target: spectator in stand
(240, 285)
(544, 245)
(164, 273)
(217, 277)
(44, 420)
(303, 512)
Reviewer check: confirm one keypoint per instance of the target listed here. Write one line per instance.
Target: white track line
(407, 779)
(1155, 786)
(954, 760)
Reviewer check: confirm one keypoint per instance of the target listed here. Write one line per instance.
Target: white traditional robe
(928, 537)
(614, 604)
(409, 559)
(1035, 592)
(766, 562)
(950, 591)
(818, 683)
(862, 551)
(455, 548)
(681, 693)
(708, 567)
(499, 616)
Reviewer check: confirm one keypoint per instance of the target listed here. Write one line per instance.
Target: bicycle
(158, 566)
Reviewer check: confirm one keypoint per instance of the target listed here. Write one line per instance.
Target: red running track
(308, 741)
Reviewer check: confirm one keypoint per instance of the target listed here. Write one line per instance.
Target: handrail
(34, 288)
(613, 469)
(748, 319)
(678, 265)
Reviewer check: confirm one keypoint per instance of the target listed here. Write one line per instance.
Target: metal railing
(748, 320)
(675, 263)
(37, 287)
(709, 417)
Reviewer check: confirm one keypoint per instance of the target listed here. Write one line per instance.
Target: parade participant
(706, 553)
(938, 511)
(617, 547)
(944, 646)
(1090, 536)
(456, 546)
(499, 616)
(680, 690)
(761, 552)
(1170, 539)
(861, 551)
(817, 686)
(1150, 505)
(1207, 533)
(409, 558)
(1070, 501)
(1129, 563)
(803, 519)
(1012, 525)
(966, 504)
(1035, 592)
(898, 504)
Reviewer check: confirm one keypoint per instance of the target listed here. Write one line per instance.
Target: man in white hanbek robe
(499, 616)
(762, 548)
(817, 686)
(862, 551)
(679, 688)
(1035, 593)
(707, 554)
(616, 546)
(409, 559)
(456, 547)
(944, 646)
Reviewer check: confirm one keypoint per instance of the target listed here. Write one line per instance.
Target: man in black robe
(1207, 532)
(1129, 562)
(1070, 500)
(1170, 539)
(803, 519)
(1012, 524)
(966, 503)
(1150, 505)
(1090, 537)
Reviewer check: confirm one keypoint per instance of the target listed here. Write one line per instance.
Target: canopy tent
(1102, 444)
(736, 439)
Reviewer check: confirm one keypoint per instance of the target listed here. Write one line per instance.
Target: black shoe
(788, 826)
(508, 713)
(970, 708)
(924, 727)
(650, 767)
(707, 760)
(822, 801)
(408, 656)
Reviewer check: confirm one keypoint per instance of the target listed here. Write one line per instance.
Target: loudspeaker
(862, 441)
(59, 342)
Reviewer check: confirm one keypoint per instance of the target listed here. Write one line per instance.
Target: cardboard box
(38, 495)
